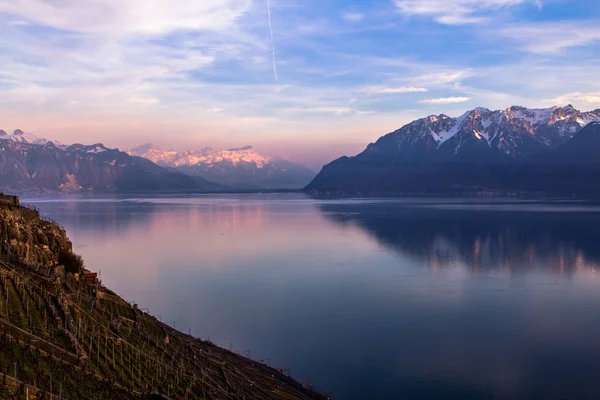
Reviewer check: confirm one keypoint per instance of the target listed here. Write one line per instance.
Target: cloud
(575, 98)
(460, 19)
(119, 62)
(442, 78)
(455, 12)
(129, 16)
(394, 90)
(353, 17)
(328, 110)
(19, 22)
(333, 110)
(128, 56)
(420, 83)
(149, 101)
(547, 38)
(446, 100)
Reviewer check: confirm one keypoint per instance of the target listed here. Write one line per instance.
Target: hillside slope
(63, 333)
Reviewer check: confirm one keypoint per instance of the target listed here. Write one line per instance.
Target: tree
(72, 262)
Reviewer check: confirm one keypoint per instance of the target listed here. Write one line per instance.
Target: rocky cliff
(27, 237)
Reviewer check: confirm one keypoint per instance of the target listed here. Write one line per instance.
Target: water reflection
(514, 239)
(367, 299)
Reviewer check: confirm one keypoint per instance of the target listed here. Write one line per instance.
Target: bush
(41, 238)
(72, 262)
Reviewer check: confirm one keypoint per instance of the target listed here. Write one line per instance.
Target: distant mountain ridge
(514, 132)
(513, 149)
(241, 168)
(32, 164)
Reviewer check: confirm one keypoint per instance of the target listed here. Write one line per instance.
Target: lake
(369, 298)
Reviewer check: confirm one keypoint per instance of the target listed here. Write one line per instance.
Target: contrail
(272, 40)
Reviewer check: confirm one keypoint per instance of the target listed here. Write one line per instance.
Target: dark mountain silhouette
(521, 150)
(583, 147)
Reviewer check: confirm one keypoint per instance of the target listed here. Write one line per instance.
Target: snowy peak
(19, 136)
(553, 115)
(152, 153)
(237, 156)
(92, 149)
(207, 155)
(169, 158)
(532, 116)
(554, 151)
(141, 149)
(242, 168)
(545, 115)
(515, 131)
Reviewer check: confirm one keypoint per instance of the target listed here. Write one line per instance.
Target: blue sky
(188, 74)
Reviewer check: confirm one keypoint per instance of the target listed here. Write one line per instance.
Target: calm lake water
(366, 299)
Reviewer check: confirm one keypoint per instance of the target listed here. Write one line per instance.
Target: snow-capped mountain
(551, 150)
(513, 132)
(32, 164)
(242, 168)
(169, 158)
(19, 136)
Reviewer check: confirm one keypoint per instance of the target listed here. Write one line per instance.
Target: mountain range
(552, 150)
(237, 168)
(32, 164)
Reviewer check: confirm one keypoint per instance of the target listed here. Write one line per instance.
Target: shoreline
(321, 194)
(112, 348)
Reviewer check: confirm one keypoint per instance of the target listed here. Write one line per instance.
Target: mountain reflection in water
(514, 239)
(371, 298)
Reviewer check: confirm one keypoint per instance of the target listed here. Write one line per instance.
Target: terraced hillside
(63, 336)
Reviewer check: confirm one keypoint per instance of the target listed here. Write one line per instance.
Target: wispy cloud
(456, 12)
(327, 110)
(445, 100)
(442, 78)
(394, 90)
(580, 98)
(129, 16)
(547, 38)
(17, 22)
(124, 56)
(143, 100)
(353, 17)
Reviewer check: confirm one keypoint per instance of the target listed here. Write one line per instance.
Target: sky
(309, 80)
